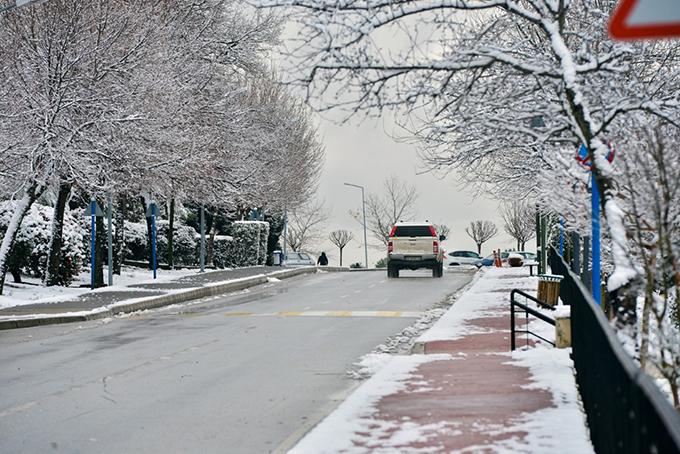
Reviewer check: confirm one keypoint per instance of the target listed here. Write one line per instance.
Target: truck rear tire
(392, 271)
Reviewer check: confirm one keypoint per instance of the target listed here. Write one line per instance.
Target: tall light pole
(363, 205)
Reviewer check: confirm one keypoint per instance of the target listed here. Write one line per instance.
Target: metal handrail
(527, 310)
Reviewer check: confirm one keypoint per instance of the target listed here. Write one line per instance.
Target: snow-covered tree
(305, 224)
(396, 203)
(519, 221)
(481, 232)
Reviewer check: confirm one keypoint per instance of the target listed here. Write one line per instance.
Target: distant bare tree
(481, 232)
(520, 222)
(340, 238)
(305, 224)
(442, 229)
(382, 212)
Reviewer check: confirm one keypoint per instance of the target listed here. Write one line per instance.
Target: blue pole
(153, 238)
(93, 227)
(596, 288)
(561, 236)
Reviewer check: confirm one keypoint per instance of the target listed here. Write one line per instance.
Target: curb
(159, 301)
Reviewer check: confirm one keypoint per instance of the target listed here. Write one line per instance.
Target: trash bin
(277, 258)
(549, 288)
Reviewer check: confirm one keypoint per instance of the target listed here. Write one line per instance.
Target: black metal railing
(527, 310)
(626, 411)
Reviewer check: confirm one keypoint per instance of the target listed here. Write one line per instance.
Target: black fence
(516, 306)
(626, 411)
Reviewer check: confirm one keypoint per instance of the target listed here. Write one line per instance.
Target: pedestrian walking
(323, 260)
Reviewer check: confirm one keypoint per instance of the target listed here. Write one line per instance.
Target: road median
(150, 302)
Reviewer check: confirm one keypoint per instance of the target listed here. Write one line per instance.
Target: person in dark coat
(323, 260)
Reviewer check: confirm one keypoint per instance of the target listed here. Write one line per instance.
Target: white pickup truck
(414, 245)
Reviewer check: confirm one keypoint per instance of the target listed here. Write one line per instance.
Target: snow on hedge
(29, 253)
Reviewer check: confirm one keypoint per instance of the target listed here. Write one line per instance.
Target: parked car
(456, 258)
(488, 260)
(529, 257)
(414, 245)
(298, 259)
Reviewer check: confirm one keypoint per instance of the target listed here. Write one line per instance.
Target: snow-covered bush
(29, 253)
(264, 238)
(184, 243)
(135, 241)
(250, 242)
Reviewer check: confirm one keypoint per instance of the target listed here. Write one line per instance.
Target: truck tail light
(435, 247)
(390, 246)
(432, 231)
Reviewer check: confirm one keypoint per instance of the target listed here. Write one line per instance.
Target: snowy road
(246, 373)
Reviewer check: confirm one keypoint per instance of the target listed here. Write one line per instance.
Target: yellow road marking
(237, 314)
(290, 314)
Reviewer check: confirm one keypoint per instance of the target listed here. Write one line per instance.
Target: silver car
(463, 258)
(298, 259)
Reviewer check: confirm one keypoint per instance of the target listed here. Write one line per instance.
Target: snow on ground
(561, 428)
(479, 300)
(343, 428)
(32, 291)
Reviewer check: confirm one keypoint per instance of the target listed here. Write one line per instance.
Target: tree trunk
(119, 239)
(149, 227)
(52, 275)
(16, 275)
(99, 247)
(479, 248)
(341, 256)
(171, 233)
(30, 195)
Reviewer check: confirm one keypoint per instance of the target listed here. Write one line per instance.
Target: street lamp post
(363, 205)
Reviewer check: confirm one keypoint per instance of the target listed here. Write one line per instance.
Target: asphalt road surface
(242, 373)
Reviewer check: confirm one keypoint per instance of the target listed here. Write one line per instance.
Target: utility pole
(110, 238)
(363, 205)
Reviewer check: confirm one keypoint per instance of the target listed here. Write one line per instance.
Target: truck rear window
(412, 230)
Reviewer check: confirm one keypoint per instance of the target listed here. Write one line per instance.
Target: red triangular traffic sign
(639, 19)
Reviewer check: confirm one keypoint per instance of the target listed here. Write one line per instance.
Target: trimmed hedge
(250, 243)
(223, 251)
